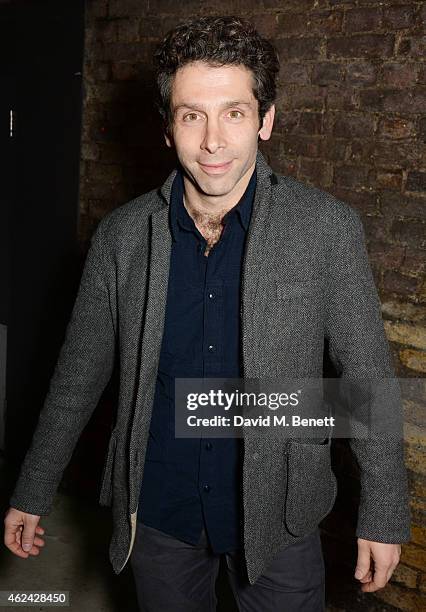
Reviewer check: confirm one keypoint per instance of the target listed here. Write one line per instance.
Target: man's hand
(20, 529)
(385, 558)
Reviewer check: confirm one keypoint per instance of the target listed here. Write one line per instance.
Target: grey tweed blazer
(306, 277)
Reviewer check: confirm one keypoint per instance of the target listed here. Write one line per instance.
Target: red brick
(353, 126)
(360, 150)
(125, 71)
(288, 5)
(341, 97)
(414, 260)
(128, 30)
(332, 148)
(153, 26)
(362, 45)
(125, 8)
(422, 128)
(397, 17)
(310, 123)
(396, 154)
(361, 73)
(396, 127)
(395, 282)
(396, 204)
(307, 146)
(287, 122)
(291, 72)
(394, 100)
(289, 166)
(98, 190)
(324, 22)
(416, 181)
(290, 23)
(385, 254)
(100, 71)
(421, 76)
(136, 52)
(106, 31)
(401, 598)
(273, 149)
(303, 97)
(414, 46)
(324, 73)
(96, 8)
(362, 19)
(389, 179)
(89, 151)
(266, 25)
(298, 48)
(353, 177)
(339, 2)
(398, 75)
(411, 233)
(364, 201)
(316, 172)
(110, 173)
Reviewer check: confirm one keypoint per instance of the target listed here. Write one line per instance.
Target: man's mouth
(216, 168)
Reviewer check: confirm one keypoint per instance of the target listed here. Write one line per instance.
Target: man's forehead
(201, 74)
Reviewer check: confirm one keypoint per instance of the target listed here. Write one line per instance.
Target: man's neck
(207, 211)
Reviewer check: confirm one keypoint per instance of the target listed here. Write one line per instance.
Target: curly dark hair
(217, 41)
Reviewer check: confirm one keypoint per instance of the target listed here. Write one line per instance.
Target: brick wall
(349, 120)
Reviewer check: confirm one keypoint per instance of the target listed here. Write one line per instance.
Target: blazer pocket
(311, 486)
(105, 495)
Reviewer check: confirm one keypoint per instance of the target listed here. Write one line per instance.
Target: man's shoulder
(132, 216)
(314, 202)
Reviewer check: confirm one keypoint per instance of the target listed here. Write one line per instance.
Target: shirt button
(212, 296)
(211, 348)
(206, 488)
(209, 445)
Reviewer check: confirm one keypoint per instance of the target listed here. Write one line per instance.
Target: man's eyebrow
(195, 106)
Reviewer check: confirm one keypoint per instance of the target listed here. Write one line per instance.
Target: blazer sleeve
(82, 371)
(360, 351)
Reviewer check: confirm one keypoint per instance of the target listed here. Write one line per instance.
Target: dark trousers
(172, 576)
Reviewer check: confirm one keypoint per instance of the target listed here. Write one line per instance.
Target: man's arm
(83, 368)
(359, 349)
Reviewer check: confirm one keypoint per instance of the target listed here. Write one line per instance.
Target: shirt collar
(179, 216)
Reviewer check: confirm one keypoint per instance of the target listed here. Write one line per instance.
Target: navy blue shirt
(189, 483)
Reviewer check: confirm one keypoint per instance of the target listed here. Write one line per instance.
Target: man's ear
(268, 122)
(168, 137)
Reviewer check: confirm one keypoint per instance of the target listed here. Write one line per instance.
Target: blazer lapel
(159, 265)
(158, 275)
(255, 259)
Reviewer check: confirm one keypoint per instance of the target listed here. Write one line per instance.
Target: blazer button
(255, 455)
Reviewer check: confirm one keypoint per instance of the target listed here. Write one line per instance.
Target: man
(168, 280)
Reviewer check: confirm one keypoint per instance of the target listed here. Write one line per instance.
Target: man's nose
(213, 137)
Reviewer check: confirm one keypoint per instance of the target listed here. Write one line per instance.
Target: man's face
(216, 125)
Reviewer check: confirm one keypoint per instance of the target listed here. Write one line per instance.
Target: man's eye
(190, 117)
(235, 114)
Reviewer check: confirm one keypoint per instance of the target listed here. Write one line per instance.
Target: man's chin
(217, 186)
